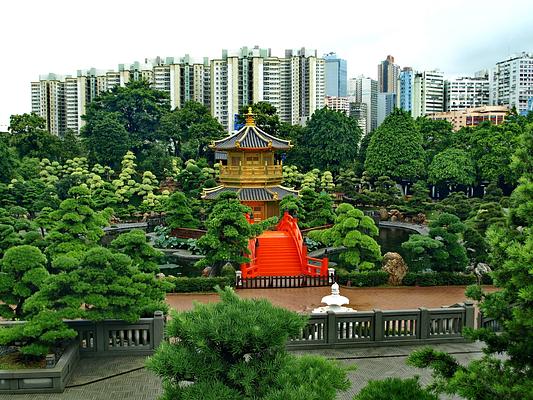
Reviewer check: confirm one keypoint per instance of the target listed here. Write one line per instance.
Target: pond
(391, 239)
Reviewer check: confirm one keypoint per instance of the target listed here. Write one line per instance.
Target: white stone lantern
(334, 302)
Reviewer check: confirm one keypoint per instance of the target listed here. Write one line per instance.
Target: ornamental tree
(22, 272)
(135, 245)
(356, 232)
(75, 226)
(321, 212)
(395, 389)
(178, 212)
(228, 233)
(452, 167)
(102, 285)
(423, 252)
(291, 176)
(448, 228)
(396, 149)
(235, 349)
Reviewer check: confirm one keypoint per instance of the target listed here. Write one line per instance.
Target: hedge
(197, 284)
(363, 279)
(380, 278)
(438, 279)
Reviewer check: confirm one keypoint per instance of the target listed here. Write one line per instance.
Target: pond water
(391, 239)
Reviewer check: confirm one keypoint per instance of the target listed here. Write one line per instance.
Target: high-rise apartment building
(388, 73)
(365, 90)
(386, 104)
(336, 75)
(294, 84)
(421, 93)
(511, 82)
(359, 112)
(465, 92)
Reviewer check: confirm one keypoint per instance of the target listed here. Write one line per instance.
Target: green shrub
(198, 284)
(363, 279)
(395, 389)
(437, 279)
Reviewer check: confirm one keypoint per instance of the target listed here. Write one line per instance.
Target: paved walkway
(125, 377)
(362, 299)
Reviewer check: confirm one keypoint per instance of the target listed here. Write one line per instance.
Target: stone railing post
(378, 326)
(100, 338)
(159, 328)
(469, 314)
(331, 322)
(423, 323)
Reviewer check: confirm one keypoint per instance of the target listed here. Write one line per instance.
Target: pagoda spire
(250, 120)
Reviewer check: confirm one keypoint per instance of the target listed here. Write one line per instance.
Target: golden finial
(250, 118)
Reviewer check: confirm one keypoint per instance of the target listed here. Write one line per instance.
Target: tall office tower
(404, 99)
(466, 92)
(386, 104)
(358, 111)
(511, 82)
(388, 73)
(336, 75)
(429, 95)
(48, 101)
(365, 90)
(341, 104)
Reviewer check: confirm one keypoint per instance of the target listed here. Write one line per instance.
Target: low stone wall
(385, 328)
(46, 380)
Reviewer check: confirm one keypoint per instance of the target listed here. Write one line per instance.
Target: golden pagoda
(250, 169)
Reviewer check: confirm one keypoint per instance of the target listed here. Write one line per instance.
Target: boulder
(383, 214)
(395, 266)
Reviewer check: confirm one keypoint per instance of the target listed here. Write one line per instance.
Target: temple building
(250, 168)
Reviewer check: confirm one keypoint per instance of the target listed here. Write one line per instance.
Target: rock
(383, 214)
(206, 271)
(394, 218)
(395, 266)
(160, 275)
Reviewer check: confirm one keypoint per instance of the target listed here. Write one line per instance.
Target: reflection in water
(391, 239)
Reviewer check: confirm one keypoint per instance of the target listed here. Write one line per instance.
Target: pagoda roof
(252, 138)
(267, 193)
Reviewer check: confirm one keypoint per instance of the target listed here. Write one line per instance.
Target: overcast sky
(457, 37)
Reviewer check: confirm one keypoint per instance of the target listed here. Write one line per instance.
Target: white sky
(60, 36)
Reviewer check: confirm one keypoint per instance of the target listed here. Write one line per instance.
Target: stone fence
(385, 328)
(95, 339)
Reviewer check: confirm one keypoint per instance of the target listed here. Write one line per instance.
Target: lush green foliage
(395, 389)
(439, 279)
(22, 272)
(235, 349)
(356, 232)
(198, 284)
(178, 212)
(396, 149)
(362, 279)
(135, 245)
(452, 167)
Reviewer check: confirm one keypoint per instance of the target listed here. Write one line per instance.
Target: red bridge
(282, 253)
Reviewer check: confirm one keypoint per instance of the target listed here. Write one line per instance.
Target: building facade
(359, 112)
(341, 104)
(511, 82)
(406, 81)
(365, 90)
(336, 72)
(471, 117)
(388, 73)
(386, 104)
(465, 92)
(420, 93)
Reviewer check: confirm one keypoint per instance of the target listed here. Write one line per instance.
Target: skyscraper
(421, 93)
(365, 90)
(404, 100)
(336, 75)
(511, 82)
(386, 104)
(388, 73)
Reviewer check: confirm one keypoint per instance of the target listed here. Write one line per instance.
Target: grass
(15, 361)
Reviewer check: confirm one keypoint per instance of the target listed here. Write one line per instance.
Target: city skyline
(435, 41)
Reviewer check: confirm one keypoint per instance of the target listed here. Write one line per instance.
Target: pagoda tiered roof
(250, 137)
(267, 193)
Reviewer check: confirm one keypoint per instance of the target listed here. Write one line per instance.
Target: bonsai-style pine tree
(356, 232)
(75, 225)
(178, 212)
(395, 149)
(103, 285)
(292, 204)
(420, 199)
(235, 349)
(134, 244)
(447, 228)
(22, 272)
(423, 252)
(291, 176)
(228, 233)
(395, 389)
(321, 212)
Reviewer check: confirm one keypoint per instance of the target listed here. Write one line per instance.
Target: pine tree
(179, 212)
